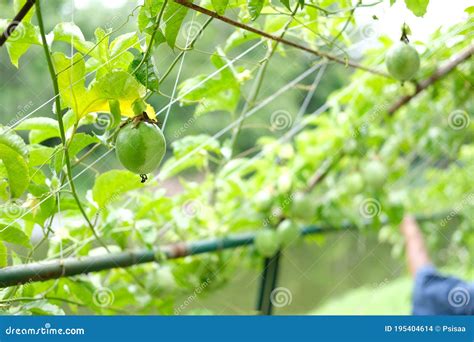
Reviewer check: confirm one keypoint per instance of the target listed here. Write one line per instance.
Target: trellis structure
(68, 267)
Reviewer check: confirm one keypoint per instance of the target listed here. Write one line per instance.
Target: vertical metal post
(268, 284)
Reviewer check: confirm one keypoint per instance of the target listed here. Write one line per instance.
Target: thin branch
(321, 173)
(59, 115)
(16, 21)
(152, 39)
(321, 54)
(441, 72)
(189, 46)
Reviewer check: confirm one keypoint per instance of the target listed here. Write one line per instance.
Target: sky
(440, 13)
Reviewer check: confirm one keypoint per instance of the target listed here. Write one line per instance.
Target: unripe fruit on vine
(266, 242)
(402, 61)
(354, 183)
(263, 200)
(140, 147)
(287, 232)
(302, 207)
(375, 173)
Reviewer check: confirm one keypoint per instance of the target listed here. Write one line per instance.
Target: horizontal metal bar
(54, 269)
(41, 271)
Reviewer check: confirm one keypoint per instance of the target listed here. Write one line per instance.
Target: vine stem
(152, 39)
(181, 54)
(59, 115)
(261, 33)
(187, 47)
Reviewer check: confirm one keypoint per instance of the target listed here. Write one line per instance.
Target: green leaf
(79, 142)
(18, 4)
(20, 40)
(3, 256)
(238, 38)
(145, 74)
(255, 7)
(220, 93)
(13, 154)
(148, 13)
(220, 5)
(71, 33)
(122, 86)
(173, 17)
(110, 185)
(42, 308)
(418, 7)
(286, 3)
(188, 152)
(39, 154)
(114, 85)
(41, 129)
(123, 43)
(11, 233)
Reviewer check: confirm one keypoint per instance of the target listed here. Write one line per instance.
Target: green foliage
(418, 7)
(255, 8)
(219, 93)
(14, 157)
(220, 5)
(110, 185)
(351, 164)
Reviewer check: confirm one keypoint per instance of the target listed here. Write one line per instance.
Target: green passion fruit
(402, 61)
(375, 173)
(267, 242)
(303, 207)
(140, 147)
(354, 183)
(287, 233)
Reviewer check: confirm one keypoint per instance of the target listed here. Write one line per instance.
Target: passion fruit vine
(140, 145)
